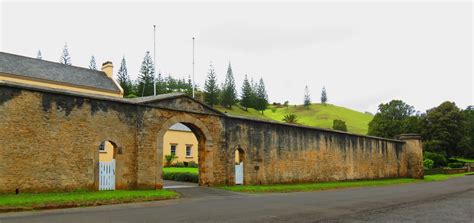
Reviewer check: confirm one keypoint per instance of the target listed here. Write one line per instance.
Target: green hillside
(316, 115)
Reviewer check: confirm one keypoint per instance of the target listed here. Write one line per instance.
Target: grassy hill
(316, 115)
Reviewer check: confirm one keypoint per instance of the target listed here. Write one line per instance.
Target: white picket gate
(239, 173)
(107, 175)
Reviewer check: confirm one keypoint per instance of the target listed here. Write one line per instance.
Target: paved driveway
(452, 199)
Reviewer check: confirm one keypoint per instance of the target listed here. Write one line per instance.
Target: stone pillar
(414, 152)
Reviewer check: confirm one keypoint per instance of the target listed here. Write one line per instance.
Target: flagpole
(154, 59)
(193, 68)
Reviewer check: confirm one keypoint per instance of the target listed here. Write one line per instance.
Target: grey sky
(364, 53)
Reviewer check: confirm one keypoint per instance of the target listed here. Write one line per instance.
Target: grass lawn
(317, 115)
(467, 160)
(180, 170)
(30, 201)
(334, 185)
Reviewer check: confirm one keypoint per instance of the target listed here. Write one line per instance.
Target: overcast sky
(365, 53)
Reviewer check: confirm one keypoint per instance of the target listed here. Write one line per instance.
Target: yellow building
(181, 141)
(42, 73)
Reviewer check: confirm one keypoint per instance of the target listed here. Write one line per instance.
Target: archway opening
(107, 153)
(183, 144)
(239, 166)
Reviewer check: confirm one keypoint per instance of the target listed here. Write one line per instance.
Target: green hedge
(455, 165)
(438, 159)
(183, 177)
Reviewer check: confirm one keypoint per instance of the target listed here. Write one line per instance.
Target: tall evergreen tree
(307, 97)
(443, 129)
(65, 57)
(124, 79)
(324, 96)
(92, 63)
(211, 90)
(161, 84)
(229, 93)
(391, 119)
(145, 77)
(39, 55)
(262, 97)
(189, 87)
(247, 97)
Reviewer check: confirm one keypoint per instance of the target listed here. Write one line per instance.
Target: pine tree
(124, 79)
(307, 97)
(262, 97)
(324, 97)
(38, 55)
(229, 93)
(189, 87)
(211, 90)
(65, 57)
(161, 84)
(247, 97)
(145, 77)
(254, 87)
(92, 63)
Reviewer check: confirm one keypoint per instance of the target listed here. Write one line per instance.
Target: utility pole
(154, 59)
(193, 68)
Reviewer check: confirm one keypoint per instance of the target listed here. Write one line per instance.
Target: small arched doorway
(239, 166)
(107, 150)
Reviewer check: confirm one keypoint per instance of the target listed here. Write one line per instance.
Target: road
(443, 201)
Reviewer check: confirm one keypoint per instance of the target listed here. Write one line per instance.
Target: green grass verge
(315, 186)
(30, 201)
(439, 177)
(316, 115)
(180, 170)
(282, 188)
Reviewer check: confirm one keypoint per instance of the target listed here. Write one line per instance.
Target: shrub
(455, 165)
(179, 164)
(170, 158)
(428, 164)
(192, 164)
(438, 159)
(454, 160)
(290, 118)
(339, 125)
(183, 177)
(274, 109)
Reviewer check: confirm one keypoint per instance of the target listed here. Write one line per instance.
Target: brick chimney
(108, 68)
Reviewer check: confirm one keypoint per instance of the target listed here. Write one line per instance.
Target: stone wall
(281, 153)
(49, 142)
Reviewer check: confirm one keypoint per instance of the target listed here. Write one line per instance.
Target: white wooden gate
(107, 175)
(239, 173)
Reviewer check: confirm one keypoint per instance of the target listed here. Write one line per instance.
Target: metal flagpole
(193, 68)
(154, 59)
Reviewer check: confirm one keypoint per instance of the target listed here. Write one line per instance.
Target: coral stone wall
(49, 141)
(279, 153)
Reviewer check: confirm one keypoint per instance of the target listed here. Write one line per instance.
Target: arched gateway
(204, 146)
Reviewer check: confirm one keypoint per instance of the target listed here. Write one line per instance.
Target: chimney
(108, 68)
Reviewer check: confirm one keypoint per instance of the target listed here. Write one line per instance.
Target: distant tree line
(144, 84)
(254, 95)
(446, 129)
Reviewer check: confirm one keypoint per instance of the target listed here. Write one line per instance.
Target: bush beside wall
(183, 177)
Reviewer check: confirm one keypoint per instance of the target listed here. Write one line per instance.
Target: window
(173, 150)
(102, 147)
(188, 151)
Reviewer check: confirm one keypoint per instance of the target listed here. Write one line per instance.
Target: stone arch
(205, 143)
